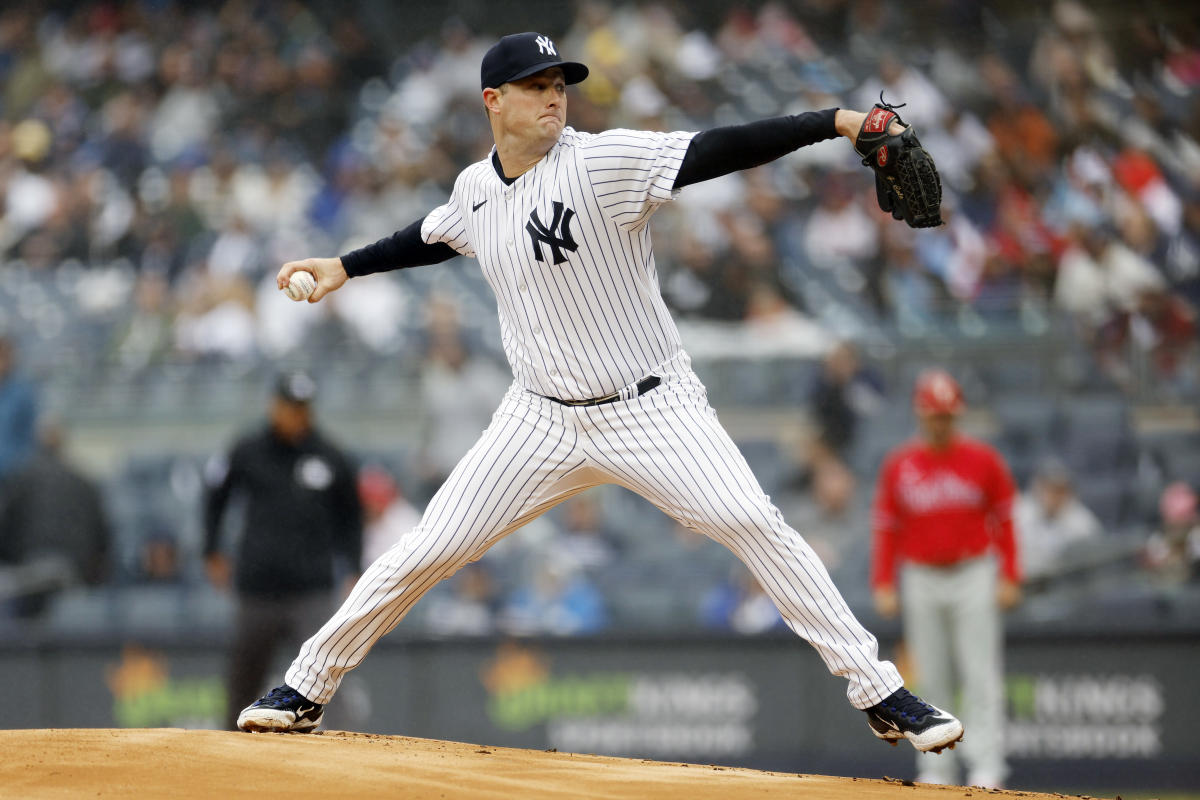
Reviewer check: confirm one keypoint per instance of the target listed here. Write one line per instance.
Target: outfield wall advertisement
(1111, 709)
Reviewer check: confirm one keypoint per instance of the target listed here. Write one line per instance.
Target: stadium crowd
(167, 157)
(200, 160)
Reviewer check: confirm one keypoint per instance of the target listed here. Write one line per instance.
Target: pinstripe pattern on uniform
(525, 463)
(590, 325)
(666, 446)
(675, 453)
(596, 322)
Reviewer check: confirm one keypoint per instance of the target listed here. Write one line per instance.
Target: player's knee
(735, 521)
(419, 553)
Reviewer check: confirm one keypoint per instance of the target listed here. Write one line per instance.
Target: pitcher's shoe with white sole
(903, 715)
(281, 710)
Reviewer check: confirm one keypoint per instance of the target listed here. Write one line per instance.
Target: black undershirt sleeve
(711, 154)
(720, 151)
(404, 248)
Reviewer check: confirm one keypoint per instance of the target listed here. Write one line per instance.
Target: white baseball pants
(665, 445)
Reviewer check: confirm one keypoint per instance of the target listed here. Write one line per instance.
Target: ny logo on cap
(545, 46)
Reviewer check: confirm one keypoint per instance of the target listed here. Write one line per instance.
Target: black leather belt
(643, 386)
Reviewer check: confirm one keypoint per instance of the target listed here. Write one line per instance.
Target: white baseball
(300, 285)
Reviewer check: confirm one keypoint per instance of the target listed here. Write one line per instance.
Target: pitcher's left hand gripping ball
(907, 183)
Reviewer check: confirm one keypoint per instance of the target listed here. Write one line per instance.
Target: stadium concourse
(202, 764)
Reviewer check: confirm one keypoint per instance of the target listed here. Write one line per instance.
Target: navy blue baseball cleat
(282, 710)
(903, 715)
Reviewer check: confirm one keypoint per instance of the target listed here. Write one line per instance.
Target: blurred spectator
(693, 288)
(1172, 553)
(753, 289)
(387, 514)
(839, 231)
(1164, 327)
(285, 328)
(1026, 140)
(1075, 66)
(1050, 519)
(1101, 283)
(215, 321)
(828, 515)
(235, 252)
(843, 393)
(159, 560)
(740, 605)
(1022, 248)
(1137, 173)
(189, 112)
(31, 197)
(467, 605)
(210, 187)
(459, 392)
(146, 336)
(18, 411)
(584, 542)
(961, 142)
(907, 293)
(374, 311)
(1182, 256)
(1099, 277)
(302, 507)
(557, 600)
(924, 105)
(253, 120)
(956, 254)
(942, 524)
(276, 195)
(53, 526)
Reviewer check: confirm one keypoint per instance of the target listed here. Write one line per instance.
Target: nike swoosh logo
(477, 205)
(300, 712)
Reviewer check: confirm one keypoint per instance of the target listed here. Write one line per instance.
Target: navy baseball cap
(520, 55)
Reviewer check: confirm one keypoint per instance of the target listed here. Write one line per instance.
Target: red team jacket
(940, 508)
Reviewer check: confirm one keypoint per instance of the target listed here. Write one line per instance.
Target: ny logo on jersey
(545, 46)
(551, 235)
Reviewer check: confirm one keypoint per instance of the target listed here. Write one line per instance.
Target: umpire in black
(301, 521)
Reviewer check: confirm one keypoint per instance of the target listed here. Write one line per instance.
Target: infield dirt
(184, 764)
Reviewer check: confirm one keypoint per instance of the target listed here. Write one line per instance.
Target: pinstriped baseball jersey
(567, 252)
(566, 249)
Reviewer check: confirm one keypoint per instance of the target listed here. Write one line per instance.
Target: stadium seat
(1109, 495)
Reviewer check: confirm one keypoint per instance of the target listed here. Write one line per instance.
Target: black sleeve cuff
(720, 151)
(404, 248)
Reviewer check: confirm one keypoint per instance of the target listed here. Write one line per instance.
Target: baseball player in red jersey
(603, 391)
(942, 520)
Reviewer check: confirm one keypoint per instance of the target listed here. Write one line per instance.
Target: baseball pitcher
(602, 390)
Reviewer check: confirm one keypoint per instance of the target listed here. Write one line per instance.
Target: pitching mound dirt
(183, 764)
